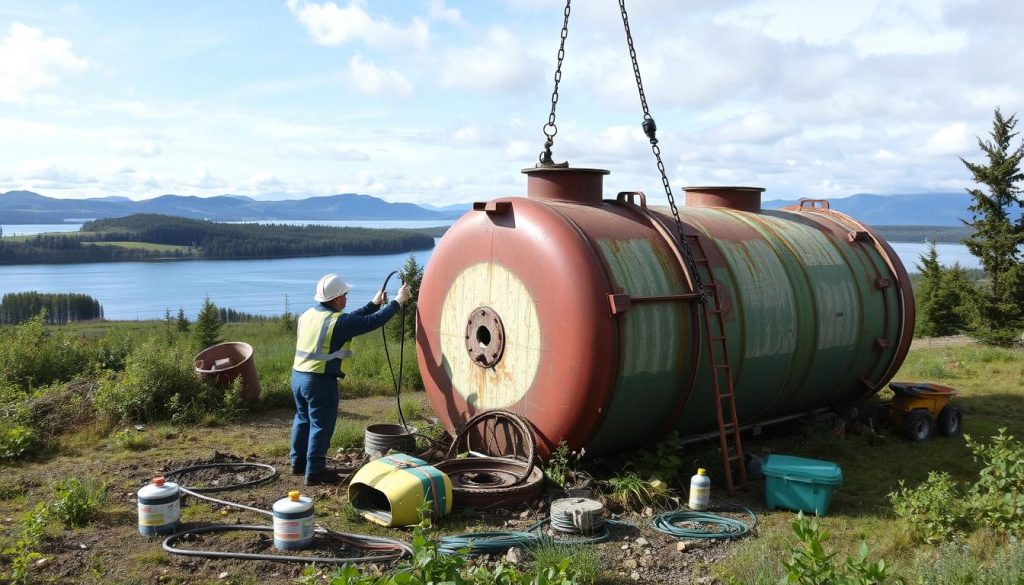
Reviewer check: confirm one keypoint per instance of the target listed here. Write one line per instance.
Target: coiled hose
(730, 528)
(476, 543)
(389, 549)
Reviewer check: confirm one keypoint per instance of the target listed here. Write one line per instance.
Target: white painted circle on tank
(490, 285)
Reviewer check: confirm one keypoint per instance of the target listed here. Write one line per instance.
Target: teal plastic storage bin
(799, 484)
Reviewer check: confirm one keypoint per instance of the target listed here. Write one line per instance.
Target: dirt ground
(110, 549)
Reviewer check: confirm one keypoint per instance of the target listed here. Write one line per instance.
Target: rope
(730, 528)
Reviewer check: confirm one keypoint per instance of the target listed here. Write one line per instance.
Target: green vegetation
(940, 234)
(56, 380)
(811, 564)
(939, 508)
(944, 297)
(76, 503)
(207, 327)
(58, 308)
(151, 236)
(411, 274)
(429, 566)
(993, 310)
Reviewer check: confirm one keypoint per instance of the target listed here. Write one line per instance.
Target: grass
(143, 246)
(583, 559)
(991, 382)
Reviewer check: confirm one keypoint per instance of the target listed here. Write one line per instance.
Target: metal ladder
(718, 354)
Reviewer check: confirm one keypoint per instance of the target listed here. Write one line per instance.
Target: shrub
(24, 551)
(811, 564)
(997, 498)
(159, 382)
(939, 508)
(76, 503)
(32, 355)
(17, 441)
(934, 510)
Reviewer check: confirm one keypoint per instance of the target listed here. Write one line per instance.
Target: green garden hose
(476, 543)
(730, 528)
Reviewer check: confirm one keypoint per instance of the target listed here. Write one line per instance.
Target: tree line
(57, 308)
(992, 309)
(206, 239)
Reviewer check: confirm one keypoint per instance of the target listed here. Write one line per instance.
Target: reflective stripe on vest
(313, 342)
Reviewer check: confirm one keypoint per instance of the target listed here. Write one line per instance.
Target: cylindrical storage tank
(579, 313)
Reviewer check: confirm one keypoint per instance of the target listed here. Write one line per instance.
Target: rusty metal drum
(579, 312)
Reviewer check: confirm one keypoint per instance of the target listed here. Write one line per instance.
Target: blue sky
(439, 101)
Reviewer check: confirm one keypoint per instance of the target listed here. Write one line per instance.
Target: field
(121, 456)
(143, 246)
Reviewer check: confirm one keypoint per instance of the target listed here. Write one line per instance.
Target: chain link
(651, 129)
(550, 129)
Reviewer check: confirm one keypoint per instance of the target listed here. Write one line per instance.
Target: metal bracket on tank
(493, 207)
(620, 303)
(813, 204)
(632, 196)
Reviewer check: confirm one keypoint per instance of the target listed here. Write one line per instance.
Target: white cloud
(499, 64)
(29, 62)
(372, 80)
(136, 146)
(265, 181)
(16, 127)
(51, 175)
(954, 139)
(206, 180)
(326, 151)
(332, 25)
(441, 12)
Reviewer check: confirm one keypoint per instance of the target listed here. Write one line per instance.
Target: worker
(322, 355)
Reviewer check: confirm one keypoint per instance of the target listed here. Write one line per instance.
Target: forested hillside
(150, 236)
(60, 307)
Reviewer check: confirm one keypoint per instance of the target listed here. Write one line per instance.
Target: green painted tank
(579, 312)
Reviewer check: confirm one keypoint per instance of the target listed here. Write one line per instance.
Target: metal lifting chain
(550, 129)
(650, 129)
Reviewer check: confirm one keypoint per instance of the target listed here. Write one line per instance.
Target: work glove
(381, 298)
(403, 294)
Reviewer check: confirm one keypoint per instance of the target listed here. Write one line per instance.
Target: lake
(144, 290)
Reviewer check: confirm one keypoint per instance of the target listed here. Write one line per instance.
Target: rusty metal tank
(579, 313)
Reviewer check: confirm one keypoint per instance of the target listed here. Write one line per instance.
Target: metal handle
(632, 195)
(814, 204)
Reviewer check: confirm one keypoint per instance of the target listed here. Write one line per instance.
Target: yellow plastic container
(388, 491)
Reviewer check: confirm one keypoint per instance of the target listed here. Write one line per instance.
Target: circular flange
(485, 337)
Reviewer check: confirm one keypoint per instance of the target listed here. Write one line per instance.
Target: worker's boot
(327, 476)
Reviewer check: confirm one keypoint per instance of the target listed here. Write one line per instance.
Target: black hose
(396, 548)
(397, 380)
(197, 490)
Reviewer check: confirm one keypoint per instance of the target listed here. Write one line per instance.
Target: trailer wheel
(951, 420)
(918, 425)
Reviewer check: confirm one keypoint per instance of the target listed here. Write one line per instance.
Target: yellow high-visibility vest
(313, 342)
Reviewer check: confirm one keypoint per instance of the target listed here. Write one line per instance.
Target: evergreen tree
(287, 319)
(997, 236)
(207, 325)
(182, 321)
(412, 274)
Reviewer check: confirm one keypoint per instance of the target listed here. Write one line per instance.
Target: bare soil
(110, 549)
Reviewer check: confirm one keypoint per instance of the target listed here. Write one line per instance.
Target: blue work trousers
(316, 411)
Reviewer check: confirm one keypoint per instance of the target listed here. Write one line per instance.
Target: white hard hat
(330, 287)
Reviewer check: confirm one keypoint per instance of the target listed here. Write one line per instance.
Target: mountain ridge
(22, 207)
